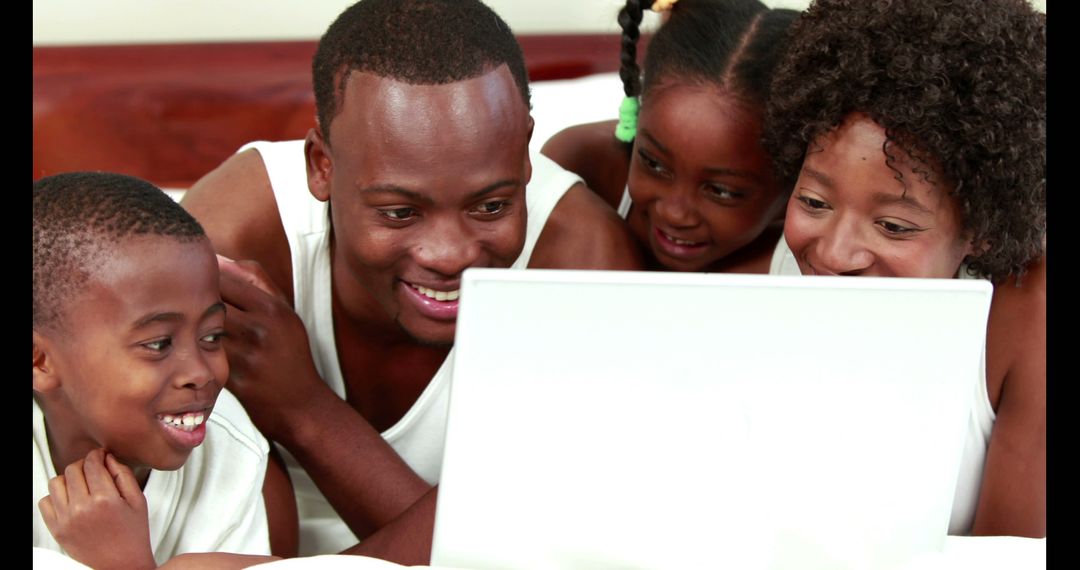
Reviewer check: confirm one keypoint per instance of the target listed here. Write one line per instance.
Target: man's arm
(1012, 500)
(583, 232)
(272, 372)
(274, 376)
(407, 539)
(280, 501)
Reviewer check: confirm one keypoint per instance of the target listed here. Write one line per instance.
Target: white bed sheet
(982, 552)
(565, 102)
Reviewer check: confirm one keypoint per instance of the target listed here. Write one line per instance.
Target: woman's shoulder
(1016, 333)
(1019, 303)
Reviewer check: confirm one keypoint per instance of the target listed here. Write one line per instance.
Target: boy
(138, 453)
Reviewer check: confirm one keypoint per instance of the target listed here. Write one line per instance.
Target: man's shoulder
(549, 176)
(240, 177)
(236, 204)
(584, 232)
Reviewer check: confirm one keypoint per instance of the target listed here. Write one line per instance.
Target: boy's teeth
(185, 422)
(438, 295)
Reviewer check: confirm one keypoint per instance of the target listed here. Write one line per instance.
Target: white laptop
(664, 420)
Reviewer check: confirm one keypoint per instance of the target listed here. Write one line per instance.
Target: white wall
(153, 21)
(156, 21)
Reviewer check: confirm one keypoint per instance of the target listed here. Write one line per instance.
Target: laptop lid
(660, 420)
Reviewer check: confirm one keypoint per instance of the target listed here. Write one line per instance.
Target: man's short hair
(422, 42)
(79, 217)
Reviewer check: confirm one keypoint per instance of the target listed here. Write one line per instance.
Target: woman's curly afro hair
(960, 85)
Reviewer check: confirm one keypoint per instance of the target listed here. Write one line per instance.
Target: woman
(913, 132)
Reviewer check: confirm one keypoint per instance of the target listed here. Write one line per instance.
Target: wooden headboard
(171, 113)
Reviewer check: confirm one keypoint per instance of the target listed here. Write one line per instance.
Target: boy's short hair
(79, 217)
(422, 42)
(954, 83)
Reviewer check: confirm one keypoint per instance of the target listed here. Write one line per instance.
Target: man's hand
(274, 377)
(97, 512)
(271, 370)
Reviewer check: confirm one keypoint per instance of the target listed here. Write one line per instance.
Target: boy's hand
(271, 370)
(97, 512)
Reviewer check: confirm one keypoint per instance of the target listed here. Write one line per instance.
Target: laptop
(603, 419)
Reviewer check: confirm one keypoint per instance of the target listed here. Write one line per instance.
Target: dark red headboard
(171, 113)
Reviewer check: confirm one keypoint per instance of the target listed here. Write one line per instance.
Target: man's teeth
(438, 295)
(185, 422)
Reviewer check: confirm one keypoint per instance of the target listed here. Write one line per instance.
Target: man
(416, 171)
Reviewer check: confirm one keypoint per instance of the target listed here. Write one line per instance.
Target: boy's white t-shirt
(213, 503)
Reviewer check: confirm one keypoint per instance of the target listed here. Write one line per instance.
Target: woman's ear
(45, 374)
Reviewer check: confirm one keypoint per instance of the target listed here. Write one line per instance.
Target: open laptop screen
(659, 420)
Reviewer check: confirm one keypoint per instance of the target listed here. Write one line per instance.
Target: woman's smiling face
(852, 212)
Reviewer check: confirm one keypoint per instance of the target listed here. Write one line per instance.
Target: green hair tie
(627, 127)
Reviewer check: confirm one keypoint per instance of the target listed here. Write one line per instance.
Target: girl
(688, 172)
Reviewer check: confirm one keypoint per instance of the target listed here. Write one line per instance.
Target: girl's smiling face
(853, 212)
(701, 183)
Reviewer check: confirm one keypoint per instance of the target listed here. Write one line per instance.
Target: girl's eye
(813, 203)
(159, 345)
(718, 192)
(651, 163)
(398, 214)
(491, 208)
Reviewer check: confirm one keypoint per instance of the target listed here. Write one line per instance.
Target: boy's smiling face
(138, 361)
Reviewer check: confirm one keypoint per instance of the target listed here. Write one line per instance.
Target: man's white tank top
(624, 204)
(418, 436)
